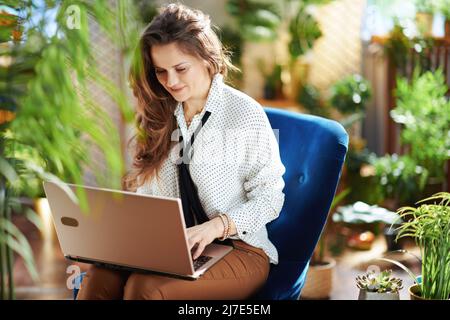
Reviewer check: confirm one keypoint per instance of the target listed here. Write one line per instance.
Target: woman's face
(184, 76)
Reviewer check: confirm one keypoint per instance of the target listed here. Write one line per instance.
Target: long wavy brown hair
(192, 31)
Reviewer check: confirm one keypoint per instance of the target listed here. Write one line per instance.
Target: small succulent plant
(381, 283)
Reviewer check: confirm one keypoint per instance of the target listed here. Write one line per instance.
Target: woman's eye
(159, 71)
(181, 70)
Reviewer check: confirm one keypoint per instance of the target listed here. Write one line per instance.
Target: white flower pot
(366, 295)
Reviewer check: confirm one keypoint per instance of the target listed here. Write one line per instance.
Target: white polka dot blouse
(235, 164)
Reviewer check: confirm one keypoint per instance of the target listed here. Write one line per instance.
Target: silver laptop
(125, 230)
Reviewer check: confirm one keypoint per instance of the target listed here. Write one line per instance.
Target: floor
(353, 263)
(54, 270)
(51, 265)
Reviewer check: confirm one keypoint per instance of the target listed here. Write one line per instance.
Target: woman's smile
(177, 90)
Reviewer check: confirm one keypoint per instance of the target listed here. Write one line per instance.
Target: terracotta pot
(414, 292)
(366, 295)
(319, 280)
(424, 23)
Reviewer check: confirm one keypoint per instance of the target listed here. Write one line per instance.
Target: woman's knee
(102, 283)
(142, 287)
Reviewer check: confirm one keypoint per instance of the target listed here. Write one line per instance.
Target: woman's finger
(192, 243)
(198, 252)
(190, 237)
(193, 240)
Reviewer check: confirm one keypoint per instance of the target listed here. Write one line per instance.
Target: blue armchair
(313, 150)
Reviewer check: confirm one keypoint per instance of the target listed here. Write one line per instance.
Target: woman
(231, 176)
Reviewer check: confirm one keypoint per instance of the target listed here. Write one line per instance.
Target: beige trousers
(239, 275)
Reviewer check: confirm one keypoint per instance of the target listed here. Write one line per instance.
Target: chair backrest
(313, 150)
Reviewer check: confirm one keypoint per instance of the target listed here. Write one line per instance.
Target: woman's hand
(201, 235)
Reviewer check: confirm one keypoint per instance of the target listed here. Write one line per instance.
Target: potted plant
(444, 7)
(400, 180)
(360, 213)
(380, 286)
(272, 80)
(303, 30)
(424, 16)
(423, 111)
(289, 21)
(398, 46)
(429, 225)
(349, 96)
(258, 21)
(310, 99)
(319, 279)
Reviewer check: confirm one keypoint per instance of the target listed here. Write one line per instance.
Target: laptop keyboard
(200, 261)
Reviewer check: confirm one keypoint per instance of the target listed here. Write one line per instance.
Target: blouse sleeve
(263, 182)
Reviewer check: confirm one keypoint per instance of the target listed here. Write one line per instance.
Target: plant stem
(441, 290)
(9, 256)
(3, 245)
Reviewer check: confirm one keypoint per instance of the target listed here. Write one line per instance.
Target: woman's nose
(172, 79)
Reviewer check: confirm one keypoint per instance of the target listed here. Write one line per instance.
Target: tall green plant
(49, 122)
(423, 110)
(429, 225)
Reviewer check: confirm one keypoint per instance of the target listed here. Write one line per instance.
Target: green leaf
(17, 242)
(52, 178)
(351, 119)
(12, 3)
(32, 216)
(339, 197)
(258, 33)
(7, 170)
(401, 265)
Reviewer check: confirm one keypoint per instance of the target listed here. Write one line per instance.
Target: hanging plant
(257, 21)
(304, 31)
